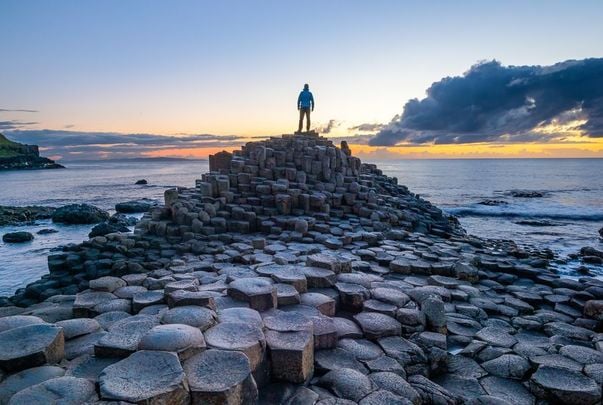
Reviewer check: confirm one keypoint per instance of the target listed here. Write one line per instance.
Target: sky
(186, 78)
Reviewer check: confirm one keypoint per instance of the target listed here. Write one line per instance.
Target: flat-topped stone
(325, 332)
(291, 355)
(288, 322)
(88, 366)
(15, 321)
(124, 336)
(238, 336)
(324, 303)
(27, 378)
(60, 390)
(318, 277)
(146, 299)
(183, 340)
(330, 261)
(352, 296)
(180, 298)
(78, 327)
(199, 317)
(564, 386)
(108, 284)
(84, 304)
(347, 383)
(259, 292)
(244, 315)
(220, 377)
(496, 336)
(145, 377)
(375, 325)
(396, 384)
(31, 346)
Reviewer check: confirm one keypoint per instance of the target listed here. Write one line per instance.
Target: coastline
(334, 264)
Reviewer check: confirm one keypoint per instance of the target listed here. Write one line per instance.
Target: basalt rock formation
(292, 273)
(14, 155)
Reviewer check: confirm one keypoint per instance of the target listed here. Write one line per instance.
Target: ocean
(545, 203)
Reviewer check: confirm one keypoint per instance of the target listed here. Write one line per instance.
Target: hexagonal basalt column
(220, 377)
(259, 292)
(150, 377)
(291, 355)
(31, 346)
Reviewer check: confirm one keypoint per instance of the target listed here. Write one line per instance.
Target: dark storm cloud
(94, 144)
(491, 102)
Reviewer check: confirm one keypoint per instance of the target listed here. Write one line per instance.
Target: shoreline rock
(310, 277)
(22, 215)
(79, 214)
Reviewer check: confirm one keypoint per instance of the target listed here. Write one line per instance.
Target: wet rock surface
(295, 274)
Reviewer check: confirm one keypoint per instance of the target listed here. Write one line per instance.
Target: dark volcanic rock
(17, 237)
(131, 207)
(141, 182)
(145, 377)
(19, 215)
(30, 346)
(559, 385)
(79, 214)
(105, 228)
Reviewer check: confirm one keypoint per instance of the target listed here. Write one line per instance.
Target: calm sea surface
(565, 216)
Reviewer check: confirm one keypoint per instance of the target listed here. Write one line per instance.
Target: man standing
(305, 104)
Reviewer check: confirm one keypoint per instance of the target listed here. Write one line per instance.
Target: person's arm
(312, 100)
(299, 101)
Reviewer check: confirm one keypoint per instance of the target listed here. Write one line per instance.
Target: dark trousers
(304, 111)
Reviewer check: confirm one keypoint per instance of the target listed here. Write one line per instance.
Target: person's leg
(301, 119)
(308, 120)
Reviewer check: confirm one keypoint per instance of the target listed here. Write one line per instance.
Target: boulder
(17, 237)
(79, 214)
(594, 309)
(105, 228)
(135, 206)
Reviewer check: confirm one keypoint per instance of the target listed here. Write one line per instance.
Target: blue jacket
(305, 100)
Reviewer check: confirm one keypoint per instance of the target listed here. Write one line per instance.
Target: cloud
(17, 110)
(94, 145)
(367, 127)
(14, 124)
(325, 129)
(492, 102)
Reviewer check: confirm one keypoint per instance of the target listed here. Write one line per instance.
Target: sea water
(545, 203)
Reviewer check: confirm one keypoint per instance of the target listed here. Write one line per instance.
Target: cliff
(14, 155)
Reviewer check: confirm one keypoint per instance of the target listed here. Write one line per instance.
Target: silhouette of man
(305, 104)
